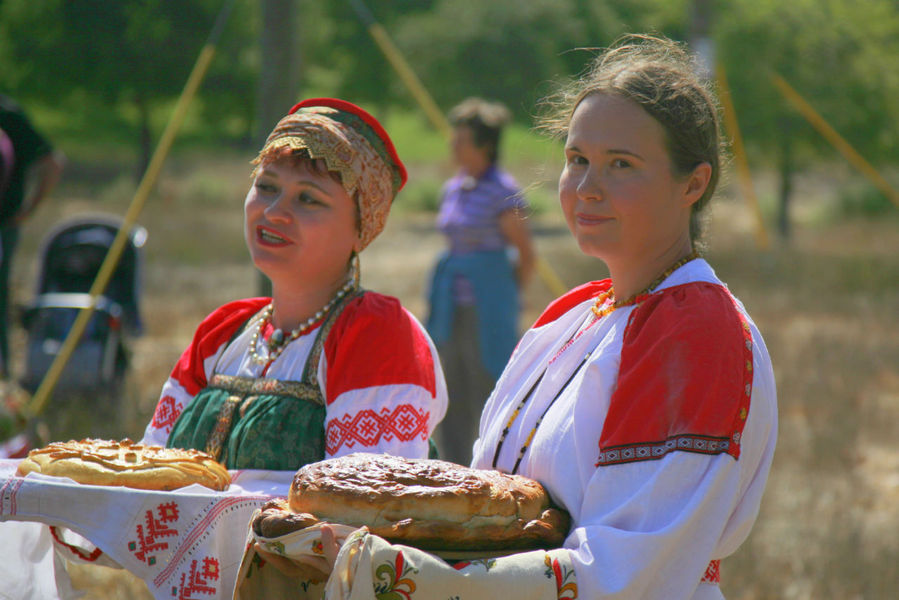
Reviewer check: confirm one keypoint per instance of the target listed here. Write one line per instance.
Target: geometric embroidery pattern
(712, 573)
(157, 527)
(166, 414)
(655, 450)
(198, 580)
(367, 427)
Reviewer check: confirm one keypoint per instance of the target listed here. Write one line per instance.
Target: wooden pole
(42, 395)
(835, 139)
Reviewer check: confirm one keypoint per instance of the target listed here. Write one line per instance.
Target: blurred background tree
(841, 55)
(106, 67)
(95, 56)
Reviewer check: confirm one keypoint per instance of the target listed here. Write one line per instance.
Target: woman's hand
(517, 233)
(310, 568)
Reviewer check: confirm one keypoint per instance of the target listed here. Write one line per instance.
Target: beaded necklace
(605, 303)
(277, 342)
(599, 311)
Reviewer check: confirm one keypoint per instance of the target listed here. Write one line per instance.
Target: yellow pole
(835, 139)
(733, 128)
(42, 395)
(433, 112)
(409, 78)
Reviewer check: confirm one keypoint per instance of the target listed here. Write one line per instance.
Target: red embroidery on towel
(199, 581)
(148, 540)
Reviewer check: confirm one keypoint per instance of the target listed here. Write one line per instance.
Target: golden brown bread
(430, 504)
(124, 463)
(277, 519)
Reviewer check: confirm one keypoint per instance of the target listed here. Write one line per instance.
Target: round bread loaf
(124, 463)
(430, 504)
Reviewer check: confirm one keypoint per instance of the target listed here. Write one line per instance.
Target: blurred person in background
(30, 168)
(645, 403)
(322, 368)
(475, 288)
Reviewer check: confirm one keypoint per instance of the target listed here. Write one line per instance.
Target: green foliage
(109, 54)
(421, 194)
(842, 56)
(99, 70)
(864, 199)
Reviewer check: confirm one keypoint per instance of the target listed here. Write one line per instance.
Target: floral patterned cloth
(370, 567)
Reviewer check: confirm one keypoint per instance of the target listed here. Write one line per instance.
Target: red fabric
(712, 573)
(572, 298)
(685, 377)
(215, 330)
(375, 342)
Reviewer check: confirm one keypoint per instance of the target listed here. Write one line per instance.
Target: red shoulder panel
(572, 298)
(213, 331)
(685, 378)
(376, 342)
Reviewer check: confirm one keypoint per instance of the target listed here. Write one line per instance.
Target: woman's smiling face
(300, 224)
(619, 195)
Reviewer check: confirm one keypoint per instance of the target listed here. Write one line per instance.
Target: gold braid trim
(347, 152)
(243, 386)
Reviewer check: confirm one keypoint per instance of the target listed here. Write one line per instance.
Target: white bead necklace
(277, 342)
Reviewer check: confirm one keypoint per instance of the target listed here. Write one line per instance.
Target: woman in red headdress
(322, 368)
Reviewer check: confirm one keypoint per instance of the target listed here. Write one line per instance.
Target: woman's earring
(355, 269)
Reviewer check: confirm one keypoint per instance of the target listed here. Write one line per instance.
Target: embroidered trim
(367, 427)
(746, 396)
(166, 414)
(248, 385)
(92, 557)
(656, 450)
(216, 440)
(712, 573)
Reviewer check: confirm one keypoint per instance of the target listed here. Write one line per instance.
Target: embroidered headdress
(352, 143)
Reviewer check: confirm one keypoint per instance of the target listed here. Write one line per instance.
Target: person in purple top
(474, 292)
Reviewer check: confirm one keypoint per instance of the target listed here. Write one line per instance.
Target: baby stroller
(70, 258)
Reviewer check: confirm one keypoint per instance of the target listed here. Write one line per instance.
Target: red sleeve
(375, 342)
(685, 377)
(215, 330)
(572, 298)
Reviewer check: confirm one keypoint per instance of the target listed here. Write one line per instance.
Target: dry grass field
(827, 303)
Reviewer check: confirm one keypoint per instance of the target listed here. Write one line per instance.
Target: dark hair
(486, 121)
(664, 79)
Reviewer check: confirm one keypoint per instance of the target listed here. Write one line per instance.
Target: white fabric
(644, 529)
(28, 566)
(185, 543)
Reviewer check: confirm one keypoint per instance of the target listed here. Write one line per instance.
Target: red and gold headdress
(352, 143)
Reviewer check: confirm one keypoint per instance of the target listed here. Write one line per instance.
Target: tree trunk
(279, 76)
(786, 168)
